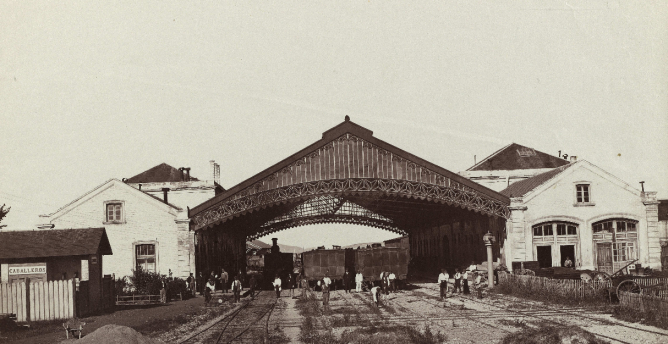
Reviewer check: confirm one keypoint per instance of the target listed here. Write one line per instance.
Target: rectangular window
(572, 230)
(561, 229)
(623, 251)
(145, 256)
(631, 226)
(538, 231)
(114, 212)
(547, 230)
(621, 226)
(582, 191)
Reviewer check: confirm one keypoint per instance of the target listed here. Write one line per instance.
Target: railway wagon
(369, 261)
(320, 263)
(372, 261)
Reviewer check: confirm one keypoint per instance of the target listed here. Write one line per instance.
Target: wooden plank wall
(52, 300)
(13, 300)
(349, 158)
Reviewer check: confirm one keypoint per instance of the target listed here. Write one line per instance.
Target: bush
(176, 286)
(146, 282)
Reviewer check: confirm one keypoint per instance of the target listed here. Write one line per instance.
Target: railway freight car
(369, 261)
(320, 263)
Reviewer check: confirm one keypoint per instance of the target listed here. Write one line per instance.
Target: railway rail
(236, 326)
(553, 311)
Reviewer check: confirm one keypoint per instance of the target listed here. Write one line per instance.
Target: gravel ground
(466, 319)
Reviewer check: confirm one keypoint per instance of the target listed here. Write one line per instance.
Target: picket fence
(52, 300)
(578, 288)
(644, 303)
(39, 300)
(13, 300)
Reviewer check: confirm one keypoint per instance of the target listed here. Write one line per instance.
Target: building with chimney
(145, 217)
(511, 164)
(582, 212)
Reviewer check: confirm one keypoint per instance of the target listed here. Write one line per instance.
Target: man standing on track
(236, 289)
(325, 294)
(359, 278)
(277, 286)
(393, 285)
(251, 285)
(223, 280)
(443, 283)
(347, 280)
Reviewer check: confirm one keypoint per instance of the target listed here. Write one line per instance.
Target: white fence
(52, 300)
(39, 300)
(13, 300)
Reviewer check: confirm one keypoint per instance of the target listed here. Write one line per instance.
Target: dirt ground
(163, 321)
(458, 318)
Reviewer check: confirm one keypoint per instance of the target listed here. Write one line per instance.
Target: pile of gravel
(552, 335)
(116, 334)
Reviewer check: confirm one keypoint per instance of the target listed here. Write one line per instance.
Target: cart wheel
(601, 277)
(628, 286)
(585, 277)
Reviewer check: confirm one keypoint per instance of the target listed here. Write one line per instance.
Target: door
(567, 251)
(544, 255)
(604, 257)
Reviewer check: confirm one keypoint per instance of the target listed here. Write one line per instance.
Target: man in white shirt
(443, 283)
(393, 285)
(277, 286)
(327, 281)
(236, 289)
(359, 278)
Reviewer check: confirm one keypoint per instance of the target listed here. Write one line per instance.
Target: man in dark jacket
(347, 281)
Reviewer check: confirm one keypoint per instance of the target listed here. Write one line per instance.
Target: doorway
(544, 255)
(604, 257)
(567, 251)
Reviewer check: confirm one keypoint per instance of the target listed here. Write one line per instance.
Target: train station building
(351, 177)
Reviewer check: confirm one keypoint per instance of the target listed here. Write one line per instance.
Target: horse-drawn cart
(619, 281)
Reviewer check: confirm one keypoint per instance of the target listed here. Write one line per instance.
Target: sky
(96, 90)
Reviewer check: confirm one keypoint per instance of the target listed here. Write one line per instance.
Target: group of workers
(461, 280)
(219, 282)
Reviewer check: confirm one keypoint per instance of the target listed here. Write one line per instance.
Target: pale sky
(92, 91)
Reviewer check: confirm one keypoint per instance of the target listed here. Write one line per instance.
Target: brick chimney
(215, 169)
(164, 193)
(573, 158)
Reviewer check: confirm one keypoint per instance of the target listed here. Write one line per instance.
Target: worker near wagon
(325, 293)
(458, 281)
(277, 286)
(568, 263)
(251, 284)
(236, 289)
(290, 284)
(327, 280)
(443, 278)
(347, 280)
(393, 280)
(209, 289)
(465, 282)
(224, 276)
(375, 290)
(359, 278)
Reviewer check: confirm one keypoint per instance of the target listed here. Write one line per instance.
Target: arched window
(548, 229)
(615, 225)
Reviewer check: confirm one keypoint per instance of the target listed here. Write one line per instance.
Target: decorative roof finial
(347, 118)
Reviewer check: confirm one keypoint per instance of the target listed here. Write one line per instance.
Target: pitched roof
(113, 180)
(329, 136)
(517, 157)
(54, 243)
(159, 174)
(257, 244)
(523, 187)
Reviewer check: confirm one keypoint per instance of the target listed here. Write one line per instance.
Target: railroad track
(543, 313)
(243, 324)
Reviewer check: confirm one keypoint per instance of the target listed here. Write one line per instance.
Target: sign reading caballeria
(27, 270)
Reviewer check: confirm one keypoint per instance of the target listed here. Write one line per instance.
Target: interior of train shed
(350, 177)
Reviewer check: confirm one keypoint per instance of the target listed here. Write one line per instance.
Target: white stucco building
(145, 217)
(581, 211)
